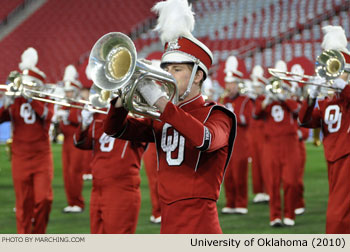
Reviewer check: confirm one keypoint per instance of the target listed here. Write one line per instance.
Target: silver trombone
(114, 67)
(330, 65)
(45, 93)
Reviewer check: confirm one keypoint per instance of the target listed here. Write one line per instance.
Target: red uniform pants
(150, 164)
(32, 182)
(282, 166)
(300, 203)
(190, 216)
(338, 210)
(72, 173)
(258, 172)
(114, 205)
(236, 177)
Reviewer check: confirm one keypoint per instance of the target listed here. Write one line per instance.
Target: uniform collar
(195, 102)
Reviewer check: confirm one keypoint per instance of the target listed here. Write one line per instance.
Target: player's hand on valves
(87, 117)
(150, 91)
(339, 83)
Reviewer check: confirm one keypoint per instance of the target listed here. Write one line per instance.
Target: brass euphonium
(114, 67)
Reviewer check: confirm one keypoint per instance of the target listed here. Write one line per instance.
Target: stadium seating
(63, 30)
(256, 31)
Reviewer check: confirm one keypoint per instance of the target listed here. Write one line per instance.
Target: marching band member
(303, 134)
(236, 176)
(256, 135)
(332, 115)
(115, 198)
(70, 119)
(32, 164)
(194, 139)
(280, 137)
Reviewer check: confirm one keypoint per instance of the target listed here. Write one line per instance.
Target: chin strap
(189, 86)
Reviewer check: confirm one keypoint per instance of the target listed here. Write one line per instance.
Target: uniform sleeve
(44, 110)
(309, 117)
(210, 136)
(305, 133)
(345, 94)
(247, 113)
(293, 106)
(74, 116)
(83, 138)
(4, 115)
(258, 111)
(119, 125)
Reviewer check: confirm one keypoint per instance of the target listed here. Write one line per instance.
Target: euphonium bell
(114, 67)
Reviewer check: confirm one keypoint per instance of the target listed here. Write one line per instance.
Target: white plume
(176, 19)
(281, 65)
(29, 59)
(70, 73)
(334, 38)
(257, 72)
(231, 64)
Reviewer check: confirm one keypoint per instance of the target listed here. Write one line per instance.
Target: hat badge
(173, 45)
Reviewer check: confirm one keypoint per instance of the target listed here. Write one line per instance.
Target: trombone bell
(330, 64)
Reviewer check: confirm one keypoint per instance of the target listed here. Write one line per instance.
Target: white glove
(314, 91)
(8, 100)
(339, 83)
(242, 119)
(281, 96)
(62, 115)
(268, 99)
(87, 117)
(300, 134)
(150, 91)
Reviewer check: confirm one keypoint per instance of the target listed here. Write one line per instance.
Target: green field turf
(256, 221)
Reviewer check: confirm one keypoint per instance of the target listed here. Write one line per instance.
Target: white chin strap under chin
(189, 86)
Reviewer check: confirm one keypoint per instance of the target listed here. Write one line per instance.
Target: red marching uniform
(71, 160)
(280, 151)
(333, 116)
(150, 164)
(236, 176)
(115, 197)
(194, 142)
(32, 165)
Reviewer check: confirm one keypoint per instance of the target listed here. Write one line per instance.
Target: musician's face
(70, 94)
(182, 74)
(232, 88)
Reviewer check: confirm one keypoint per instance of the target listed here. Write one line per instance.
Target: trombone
(330, 65)
(114, 67)
(45, 94)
